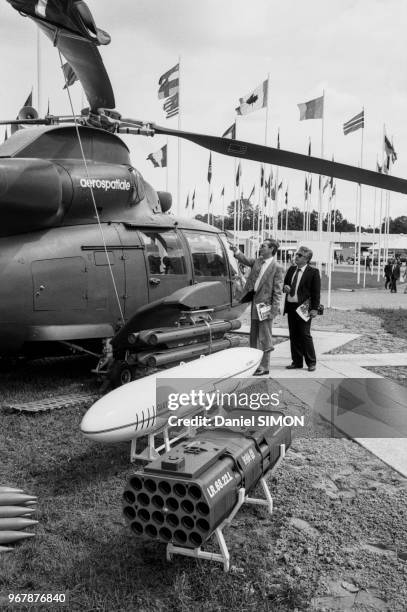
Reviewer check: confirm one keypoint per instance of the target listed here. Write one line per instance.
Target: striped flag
(313, 109)
(171, 106)
(159, 158)
(254, 100)
(168, 83)
(230, 132)
(356, 123)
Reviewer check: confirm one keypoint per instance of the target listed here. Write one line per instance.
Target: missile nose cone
(121, 414)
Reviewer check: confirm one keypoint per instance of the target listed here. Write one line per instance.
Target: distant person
(341, 258)
(368, 264)
(387, 273)
(302, 283)
(263, 286)
(395, 275)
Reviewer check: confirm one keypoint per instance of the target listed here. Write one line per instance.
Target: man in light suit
(302, 283)
(263, 286)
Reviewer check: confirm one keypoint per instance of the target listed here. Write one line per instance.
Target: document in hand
(303, 311)
(263, 311)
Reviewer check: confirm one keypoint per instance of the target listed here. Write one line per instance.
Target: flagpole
(275, 209)
(166, 169)
(286, 225)
(179, 139)
(223, 209)
(235, 194)
(322, 157)
(39, 101)
(360, 203)
(374, 229)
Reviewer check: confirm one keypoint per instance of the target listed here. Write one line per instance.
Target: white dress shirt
(266, 263)
(294, 298)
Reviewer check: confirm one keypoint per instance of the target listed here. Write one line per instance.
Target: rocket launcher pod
(16, 523)
(12, 511)
(183, 496)
(6, 537)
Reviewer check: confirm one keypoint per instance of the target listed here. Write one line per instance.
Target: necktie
(294, 283)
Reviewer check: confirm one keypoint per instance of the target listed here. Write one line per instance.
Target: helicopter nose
(32, 192)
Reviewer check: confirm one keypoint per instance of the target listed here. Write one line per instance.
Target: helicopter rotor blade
(288, 159)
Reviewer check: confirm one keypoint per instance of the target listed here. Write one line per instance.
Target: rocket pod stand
(224, 556)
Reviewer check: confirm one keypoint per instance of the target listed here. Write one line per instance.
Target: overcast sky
(354, 50)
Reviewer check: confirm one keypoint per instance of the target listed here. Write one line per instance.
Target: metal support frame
(224, 556)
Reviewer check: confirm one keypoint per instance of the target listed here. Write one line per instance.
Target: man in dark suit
(387, 273)
(263, 286)
(395, 275)
(302, 283)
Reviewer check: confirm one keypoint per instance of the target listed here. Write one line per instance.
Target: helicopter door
(208, 259)
(165, 261)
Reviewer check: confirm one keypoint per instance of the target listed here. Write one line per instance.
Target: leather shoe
(312, 368)
(292, 366)
(260, 372)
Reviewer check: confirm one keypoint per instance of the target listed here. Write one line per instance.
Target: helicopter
(90, 258)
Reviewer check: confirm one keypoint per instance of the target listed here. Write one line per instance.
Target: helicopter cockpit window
(207, 254)
(164, 252)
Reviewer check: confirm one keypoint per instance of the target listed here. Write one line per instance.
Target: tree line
(294, 220)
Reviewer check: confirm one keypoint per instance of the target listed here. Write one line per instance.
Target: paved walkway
(348, 395)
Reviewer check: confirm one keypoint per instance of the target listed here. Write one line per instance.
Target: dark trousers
(393, 285)
(302, 346)
(387, 283)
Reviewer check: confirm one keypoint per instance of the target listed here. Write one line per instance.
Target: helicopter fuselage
(84, 247)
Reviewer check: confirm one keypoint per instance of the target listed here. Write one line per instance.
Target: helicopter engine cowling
(165, 200)
(34, 193)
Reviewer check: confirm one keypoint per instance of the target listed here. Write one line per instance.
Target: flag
(309, 147)
(254, 100)
(267, 187)
(69, 75)
(230, 132)
(159, 158)
(310, 185)
(313, 109)
(389, 149)
(379, 168)
(327, 183)
(210, 167)
(5, 135)
(333, 191)
(280, 186)
(271, 173)
(262, 176)
(278, 139)
(222, 193)
(286, 196)
(210, 199)
(251, 193)
(171, 106)
(238, 175)
(72, 15)
(357, 122)
(273, 192)
(168, 83)
(193, 200)
(187, 202)
(306, 189)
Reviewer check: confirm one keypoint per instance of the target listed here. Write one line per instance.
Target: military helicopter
(90, 259)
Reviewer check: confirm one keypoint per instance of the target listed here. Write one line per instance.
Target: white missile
(135, 409)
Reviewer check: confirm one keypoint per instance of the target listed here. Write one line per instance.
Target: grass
(394, 321)
(347, 279)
